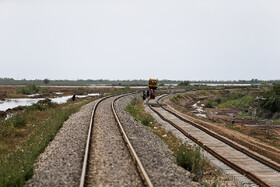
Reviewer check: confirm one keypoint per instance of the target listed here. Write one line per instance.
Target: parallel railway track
(145, 178)
(260, 178)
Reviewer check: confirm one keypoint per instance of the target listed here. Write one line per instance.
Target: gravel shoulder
(61, 162)
(152, 151)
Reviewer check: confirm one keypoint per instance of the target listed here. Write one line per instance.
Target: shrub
(271, 103)
(136, 109)
(146, 121)
(176, 98)
(242, 102)
(271, 100)
(29, 89)
(184, 83)
(21, 90)
(210, 104)
(35, 106)
(3, 114)
(45, 90)
(47, 102)
(173, 99)
(18, 121)
(190, 159)
(179, 96)
(32, 88)
(218, 100)
(202, 92)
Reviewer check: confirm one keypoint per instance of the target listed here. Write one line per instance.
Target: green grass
(210, 103)
(138, 112)
(176, 98)
(276, 121)
(248, 116)
(24, 136)
(190, 159)
(28, 89)
(243, 102)
(202, 92)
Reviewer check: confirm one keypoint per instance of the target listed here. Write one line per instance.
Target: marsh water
(12, 103)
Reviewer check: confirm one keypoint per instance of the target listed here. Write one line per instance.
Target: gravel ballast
(110, 163)
(152, 151)
(61, 162)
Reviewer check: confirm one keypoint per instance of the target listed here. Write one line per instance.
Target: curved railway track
(268, 174)
(141, 170)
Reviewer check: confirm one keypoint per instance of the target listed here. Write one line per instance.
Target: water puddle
(199, 110)
(61, 100)
(13, 103)
(58, 93)
(88, 95)
(33, 95)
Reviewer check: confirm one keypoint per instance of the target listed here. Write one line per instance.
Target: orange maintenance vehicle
(153, 84)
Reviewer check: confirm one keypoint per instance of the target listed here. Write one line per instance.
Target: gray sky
(140, 39)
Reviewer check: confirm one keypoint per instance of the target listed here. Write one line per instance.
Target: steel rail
(226, 141)
(84, 169)
(140, 166)
(244, 172)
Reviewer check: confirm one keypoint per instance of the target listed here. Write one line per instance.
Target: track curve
(255, 177)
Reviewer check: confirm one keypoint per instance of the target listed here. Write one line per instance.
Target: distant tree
(32, 88)
(184, 83)
(46, 81)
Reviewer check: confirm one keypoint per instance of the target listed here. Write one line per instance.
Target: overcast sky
(140, 39)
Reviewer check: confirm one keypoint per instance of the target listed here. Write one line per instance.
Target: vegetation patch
(269, 102)
(242, 102)
(191, 159)
(138, 112)
(29, 89)
(26, 134)
(210, 103)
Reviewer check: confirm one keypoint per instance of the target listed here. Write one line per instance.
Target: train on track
(151, 93)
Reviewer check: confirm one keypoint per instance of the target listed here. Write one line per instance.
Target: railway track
(113, 165)
(258, 169)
